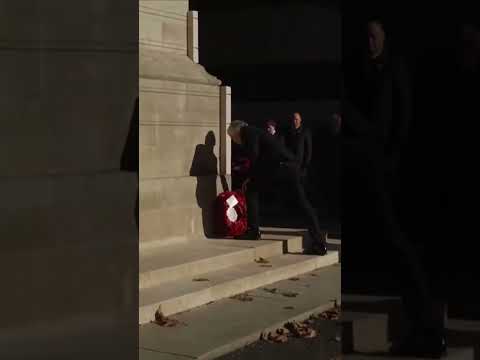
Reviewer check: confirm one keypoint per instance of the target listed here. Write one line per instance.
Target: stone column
(192, 36)
(225, 120)
(180, 128)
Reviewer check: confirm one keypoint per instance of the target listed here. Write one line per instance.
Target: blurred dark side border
(68, 179)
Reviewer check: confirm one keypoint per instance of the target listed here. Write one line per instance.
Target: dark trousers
(278, 179)
(372, 174)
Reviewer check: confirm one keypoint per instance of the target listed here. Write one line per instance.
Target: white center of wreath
(231, 212)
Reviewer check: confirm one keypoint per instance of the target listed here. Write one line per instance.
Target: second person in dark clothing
(377, 111)
(299, 142)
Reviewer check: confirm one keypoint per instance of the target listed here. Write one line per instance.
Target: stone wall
(180, 127)
(67, 214)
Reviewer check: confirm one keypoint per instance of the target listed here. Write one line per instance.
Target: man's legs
(319, 241)
(416, 289)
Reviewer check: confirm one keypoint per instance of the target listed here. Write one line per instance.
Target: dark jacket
(299, 142)
(279, 136)
(265, 152)
(377, 102)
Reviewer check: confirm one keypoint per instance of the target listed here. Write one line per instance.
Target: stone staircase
(212, 321)
(181, 276)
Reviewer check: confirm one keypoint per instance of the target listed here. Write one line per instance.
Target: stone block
(178, 207)
(179, 129)
(162, 28)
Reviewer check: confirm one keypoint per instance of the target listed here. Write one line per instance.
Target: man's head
(297, 120)
(376, 37)
(234, 131)
(271, 127)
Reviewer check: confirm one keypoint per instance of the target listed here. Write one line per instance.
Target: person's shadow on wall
(204, 168)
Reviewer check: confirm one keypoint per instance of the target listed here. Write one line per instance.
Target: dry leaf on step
(242, 297)
(331, 314)
(294, 279)
(290, 294)
(200, 279)
(277, 338)
(262, 261)
(164, 321)
(271, 291)
(309, 322)
(301, 330)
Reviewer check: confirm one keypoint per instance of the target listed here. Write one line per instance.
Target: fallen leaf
(277, 338)
(290, 294)
(164, 321)
(271, 291)
(265, 265)
(331, 314)
(301, 330)
(309, 322)
(200, 279)
(289, 308)
(242, 297)
(262, 261)
(313, 274)
(294, 279)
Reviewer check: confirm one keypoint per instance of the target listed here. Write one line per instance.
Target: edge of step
(227, 253)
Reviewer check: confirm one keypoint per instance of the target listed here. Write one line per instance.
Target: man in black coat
(272, 163)
(377, 110)
(299, 142)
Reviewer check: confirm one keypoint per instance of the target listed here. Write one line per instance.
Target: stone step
(334, 241)
(371, 322)
(219, 328)
(184, 294)
(194, 257)
(291, 243)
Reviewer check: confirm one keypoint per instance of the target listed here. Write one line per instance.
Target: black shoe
(249, 235)
(319, 248)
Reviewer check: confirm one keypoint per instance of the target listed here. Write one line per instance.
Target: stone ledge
(160, 65)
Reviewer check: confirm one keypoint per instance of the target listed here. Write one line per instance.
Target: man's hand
(244, 185)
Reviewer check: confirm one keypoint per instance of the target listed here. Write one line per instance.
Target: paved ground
(323, 347)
